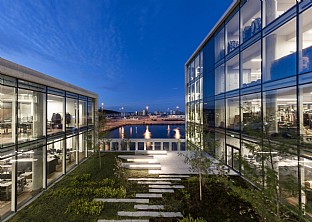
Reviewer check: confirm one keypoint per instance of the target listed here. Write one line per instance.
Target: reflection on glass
(280, 52)
(219, 79)
(251, 65)
(219, 45)
(130, 132)
(168, 131)
(232, 33)
(6, 113)
(275, 8)
(232, 114)
(305, 33)
(250, 19)
(30, 114)
(147, 134)
(280, 112)
(232, 73)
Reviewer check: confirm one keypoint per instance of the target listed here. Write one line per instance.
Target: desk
(5, 188)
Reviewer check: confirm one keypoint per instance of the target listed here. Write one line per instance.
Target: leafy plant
(103, 192)
(85, 206)
(189, 218)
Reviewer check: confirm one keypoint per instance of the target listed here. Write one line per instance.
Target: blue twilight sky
(131, 52)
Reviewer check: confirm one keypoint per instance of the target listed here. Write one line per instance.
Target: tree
(199, 156)
(271, 146)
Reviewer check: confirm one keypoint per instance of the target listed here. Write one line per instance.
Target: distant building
(253, 71)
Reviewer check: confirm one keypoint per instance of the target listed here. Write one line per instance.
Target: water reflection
(122, 132)
(147, 134)
(177, 134)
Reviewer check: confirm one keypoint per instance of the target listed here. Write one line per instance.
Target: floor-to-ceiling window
(280, 52)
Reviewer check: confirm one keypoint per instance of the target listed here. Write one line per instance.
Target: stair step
(149, 214)
(148, 207)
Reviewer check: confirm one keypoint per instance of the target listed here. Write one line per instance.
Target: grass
(52, 208)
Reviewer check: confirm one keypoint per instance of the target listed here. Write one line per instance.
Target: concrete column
(179, 146)
(270, 10)
(44, 167)
(162, 146)
(128, 145)
(136, 146)
(37, 169)
(110, 145)
(76, 147)
(14, 186)
(39, 120)
(63, 142)
(170, 146)
(119, 145)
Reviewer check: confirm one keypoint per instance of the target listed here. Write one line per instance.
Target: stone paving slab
(135, 157)
(155, 179)
(115, 200)
(151, 152)
(173, 175)
(148, 207)
(148, 195)
(155, 182)
(157, 186)
(149, 214)
(131, 220)
(161, 190)
(141, 166)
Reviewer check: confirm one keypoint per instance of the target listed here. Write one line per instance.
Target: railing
(143, 144)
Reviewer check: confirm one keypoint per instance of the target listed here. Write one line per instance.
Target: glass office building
(46, 129)
(249, 83)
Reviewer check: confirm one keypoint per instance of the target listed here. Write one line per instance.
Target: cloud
(73, 34)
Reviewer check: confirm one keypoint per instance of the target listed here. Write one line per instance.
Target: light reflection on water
(149, 132)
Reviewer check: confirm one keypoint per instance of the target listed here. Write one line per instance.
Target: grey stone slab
(151, 152)
(115, 200)
(155, 182)
(135, 157)
(142, 166)
(128, 220)
(148, 195)
(154, 179)
(157, 186)
(173, 176)
(161, 190)
(149, 214)
(148, 207)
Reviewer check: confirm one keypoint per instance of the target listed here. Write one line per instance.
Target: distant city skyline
(131, 53)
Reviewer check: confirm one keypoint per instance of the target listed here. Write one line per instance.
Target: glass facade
(44, 132)
(260, 60)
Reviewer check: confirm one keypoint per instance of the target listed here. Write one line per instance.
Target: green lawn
(52, 204)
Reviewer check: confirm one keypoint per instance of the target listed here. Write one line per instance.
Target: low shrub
(189, 218)
(103, 192)
(80, 178)
(85, 206)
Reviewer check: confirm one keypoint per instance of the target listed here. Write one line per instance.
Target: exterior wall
(46, 129)
(256, 89)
